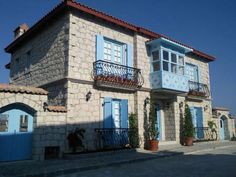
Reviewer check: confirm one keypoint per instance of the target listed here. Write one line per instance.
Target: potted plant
(75, 139)
(188, 130)
(153, 133)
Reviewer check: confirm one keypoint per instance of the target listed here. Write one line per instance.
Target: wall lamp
(206, 107)
(181, 104)
(88, 95)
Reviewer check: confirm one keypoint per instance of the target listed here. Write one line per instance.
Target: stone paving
(98, 160)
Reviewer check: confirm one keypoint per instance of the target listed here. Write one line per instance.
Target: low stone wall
(49, 128)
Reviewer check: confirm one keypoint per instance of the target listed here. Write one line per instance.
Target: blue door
(116, 122)
(16, 128)
(197, 119)
(222, 130)
(158, 112)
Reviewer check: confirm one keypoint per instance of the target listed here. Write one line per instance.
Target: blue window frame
(192, 71)
(167, 60)
(114, 51)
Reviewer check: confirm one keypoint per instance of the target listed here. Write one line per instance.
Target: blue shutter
(129, 55)
(107, 112)
(124, 113)
(99, 47)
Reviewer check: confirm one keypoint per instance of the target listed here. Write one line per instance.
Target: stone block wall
(48, 61)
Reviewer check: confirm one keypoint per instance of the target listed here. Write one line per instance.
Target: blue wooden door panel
(222, 131)
(14, 144)
(107, 113)
(159, 123)
(200, 133)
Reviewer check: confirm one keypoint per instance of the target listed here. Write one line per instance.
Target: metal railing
(198, 89)
(205, 134)
(112, 74)
(115, 138)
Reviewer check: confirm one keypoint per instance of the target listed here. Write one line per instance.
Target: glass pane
(23, 123)
(173, 68)
(156, 66)
(155, 55)
(107, 51)
(181, 70)
(165, 55)
(173, 58)
(165, 66)
(4, 122)
(181, 60)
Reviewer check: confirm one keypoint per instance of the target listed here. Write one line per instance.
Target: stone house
(92, 70)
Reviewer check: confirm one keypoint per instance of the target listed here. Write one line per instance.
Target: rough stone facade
(43, 59)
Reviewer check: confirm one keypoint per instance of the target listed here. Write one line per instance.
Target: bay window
(167, 60)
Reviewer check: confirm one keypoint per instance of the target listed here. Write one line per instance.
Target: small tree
(188, 125)
(152, 124)
(133, 133)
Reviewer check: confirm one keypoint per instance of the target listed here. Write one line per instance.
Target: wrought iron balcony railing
(205, 134)
(198, 89)
(109, 138)
(110, 74)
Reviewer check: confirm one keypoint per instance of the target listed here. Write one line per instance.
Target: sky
(209, 26)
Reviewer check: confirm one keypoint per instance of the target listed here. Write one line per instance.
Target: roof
(69, 4)
(56, 109)
(22, 89)
(220, 109)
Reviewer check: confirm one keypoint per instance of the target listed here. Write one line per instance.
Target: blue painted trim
(107, 113)
(124, 113)
(99, 47)
(159, 126)
(129, 55)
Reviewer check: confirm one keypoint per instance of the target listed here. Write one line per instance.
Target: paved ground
(214, 163)
(140, 159)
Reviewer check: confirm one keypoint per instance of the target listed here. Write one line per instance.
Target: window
(107, 51)
(172, 62)
(113, 51)
(155, 60)
(23, 123)
(117, 53)
(4, 122)
(192, 72)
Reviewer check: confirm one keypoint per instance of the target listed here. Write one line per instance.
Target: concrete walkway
(98, 160)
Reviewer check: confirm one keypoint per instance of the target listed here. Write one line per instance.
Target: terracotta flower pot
(153, 145)
(188, 141)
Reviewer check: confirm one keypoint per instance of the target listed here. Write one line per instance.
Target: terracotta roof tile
(22, 89)
(56, 109)
(67, 4)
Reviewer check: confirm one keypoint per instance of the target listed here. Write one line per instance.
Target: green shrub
(133, 131)
(188, 125)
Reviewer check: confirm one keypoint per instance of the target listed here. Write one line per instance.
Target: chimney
(20, 30)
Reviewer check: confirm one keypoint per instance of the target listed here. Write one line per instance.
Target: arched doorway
(223, 127)
(16, 127)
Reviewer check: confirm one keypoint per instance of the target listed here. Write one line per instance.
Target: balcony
(107, 74)
(198, 89)
(163, 80)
